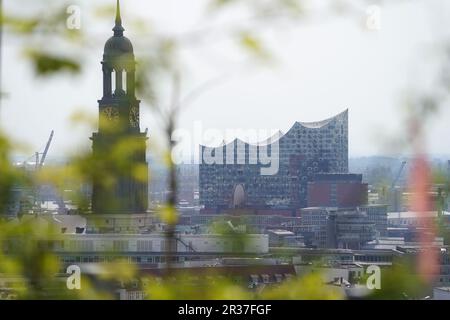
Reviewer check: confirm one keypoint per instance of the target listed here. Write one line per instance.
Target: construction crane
(395, 202)
(39, 163)
(399, 173)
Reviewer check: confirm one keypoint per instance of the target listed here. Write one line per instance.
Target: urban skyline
(282, 214)
(396, 48)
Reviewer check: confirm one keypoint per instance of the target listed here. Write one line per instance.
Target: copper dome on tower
(118, 45)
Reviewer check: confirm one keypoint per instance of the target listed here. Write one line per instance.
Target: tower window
(124, 80)
(113, 80)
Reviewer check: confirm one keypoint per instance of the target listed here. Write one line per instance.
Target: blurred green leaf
(47, 64)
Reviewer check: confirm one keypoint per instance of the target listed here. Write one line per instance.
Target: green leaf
(46, 64)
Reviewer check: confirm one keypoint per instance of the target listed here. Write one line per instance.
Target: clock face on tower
(134, 117)
(111, 113)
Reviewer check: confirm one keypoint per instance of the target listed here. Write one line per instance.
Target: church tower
(119, 146)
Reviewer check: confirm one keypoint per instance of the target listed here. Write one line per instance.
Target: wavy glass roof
(279, 134)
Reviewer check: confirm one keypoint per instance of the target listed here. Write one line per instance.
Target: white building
(157, 242)
(411, 218)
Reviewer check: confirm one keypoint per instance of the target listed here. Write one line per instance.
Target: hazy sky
(322, 67)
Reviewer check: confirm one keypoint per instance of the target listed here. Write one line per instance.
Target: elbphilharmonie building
(274, 173)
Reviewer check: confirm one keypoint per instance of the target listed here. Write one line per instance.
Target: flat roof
(412, 214)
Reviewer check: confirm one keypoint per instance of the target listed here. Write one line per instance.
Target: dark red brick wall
(319, 194)
(348, 194)
(351, 194)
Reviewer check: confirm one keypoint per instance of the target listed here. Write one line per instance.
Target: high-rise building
(336, 228)
(350, 229)
(119, 147)
(377, 214)
(235, 178)
(337, 190)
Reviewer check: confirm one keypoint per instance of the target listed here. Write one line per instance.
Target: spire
(118, 17)
(118, 29)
